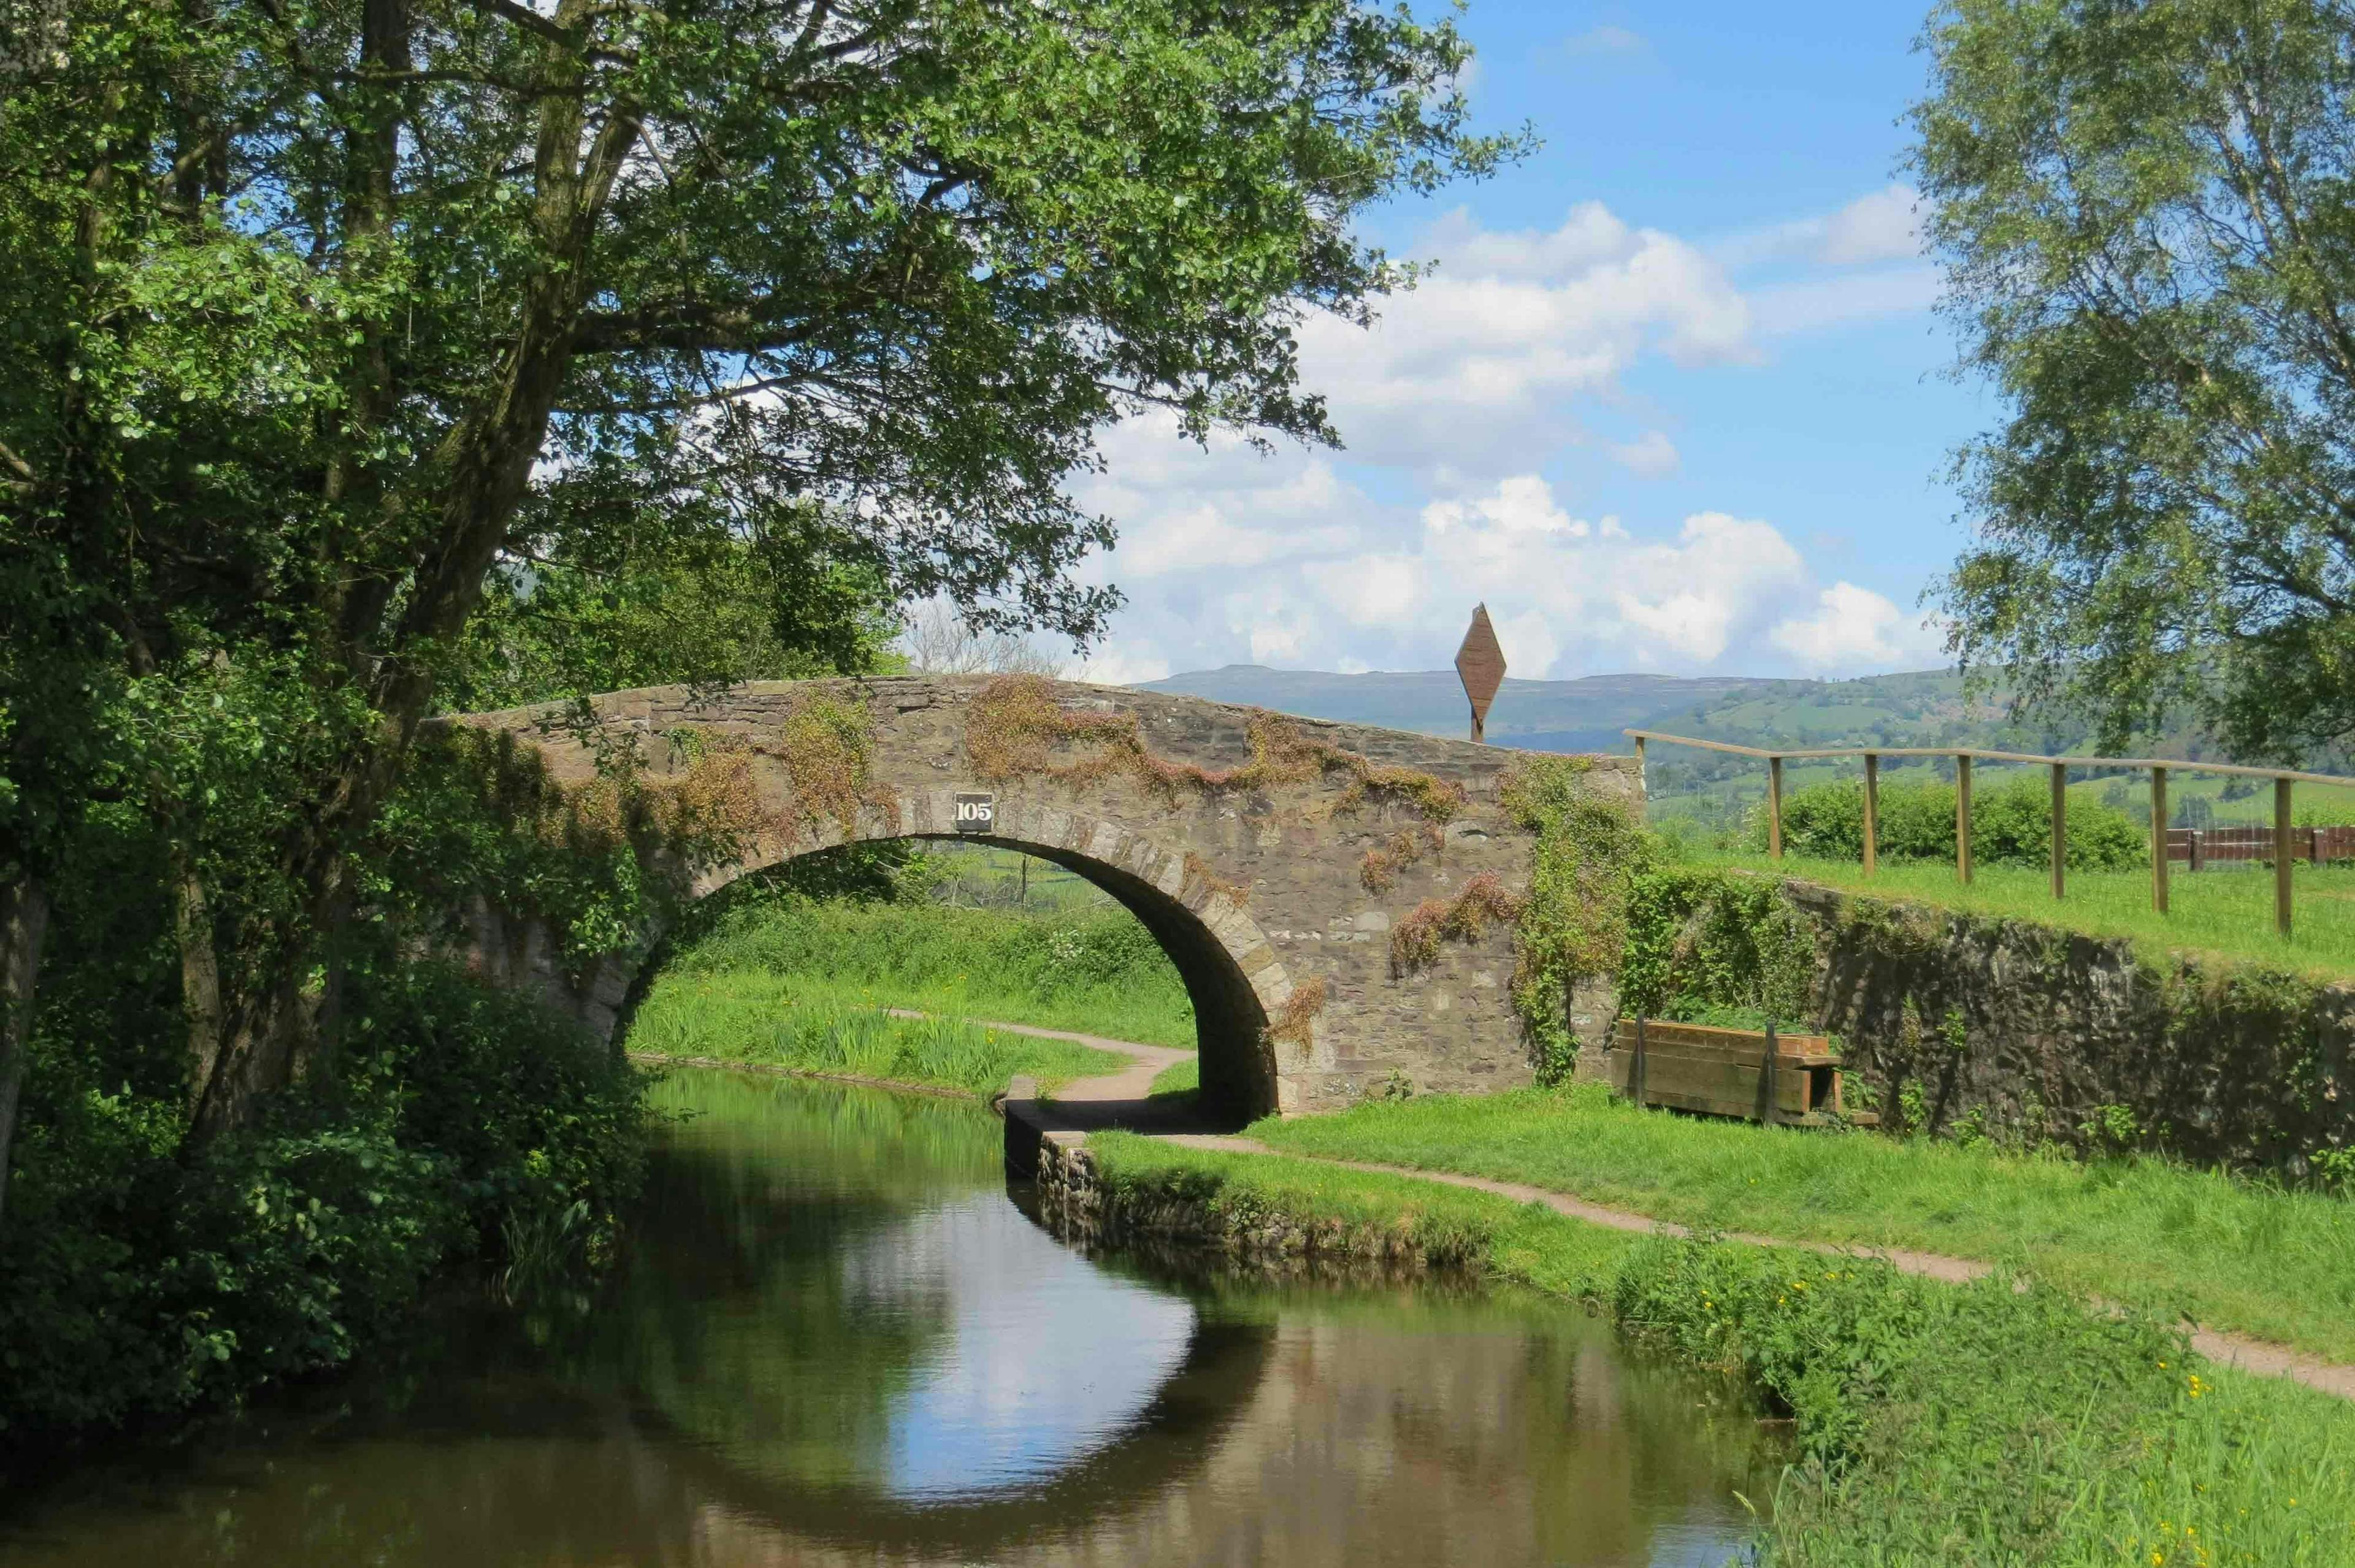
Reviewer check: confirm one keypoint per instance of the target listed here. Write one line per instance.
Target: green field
(1095, 970)
(2226, 913)
(988, 876)
(2311, 805)
(2230, 1254)
(772, 1020)
(1942, 1425)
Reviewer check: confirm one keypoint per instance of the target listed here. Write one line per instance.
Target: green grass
(2225, 914)
(2229, 1252)
(1178, 1078)
(1098, 972)
(769, 1020)
(1937, 1424)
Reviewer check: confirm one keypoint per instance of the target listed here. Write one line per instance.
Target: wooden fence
(2282, 844)
(2200, 847)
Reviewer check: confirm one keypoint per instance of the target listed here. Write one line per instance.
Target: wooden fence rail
(2280, 844)
(2199, 847)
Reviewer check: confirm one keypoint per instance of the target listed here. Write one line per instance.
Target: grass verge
(1101, 973)
(1177, 1078)
(2227, 914)
(2226, 1252)
(771, 1020)
(1974, 1424)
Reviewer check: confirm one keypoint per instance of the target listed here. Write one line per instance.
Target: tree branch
(529, 20)
(689, 326)
(685, 401)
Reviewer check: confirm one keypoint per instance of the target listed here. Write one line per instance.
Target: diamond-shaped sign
(1481, 662)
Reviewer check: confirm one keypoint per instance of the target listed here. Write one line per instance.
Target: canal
(837, 1339)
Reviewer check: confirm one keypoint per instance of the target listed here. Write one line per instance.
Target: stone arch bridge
(1272, 857)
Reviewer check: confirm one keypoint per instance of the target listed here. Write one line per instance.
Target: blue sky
(1673, 400)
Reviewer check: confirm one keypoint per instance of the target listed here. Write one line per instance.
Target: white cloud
(1651, 454)
(1461, 406)
(1884, 225)
(1497, 349)
(1339, 580)
(1114, 667)
(1854, 627)
(1370, 590)
(1820, 304)
(1604, 39)
(1677, 601)
(1523, 504)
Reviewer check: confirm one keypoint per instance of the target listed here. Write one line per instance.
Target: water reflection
(862, 1310)
(837, 1341)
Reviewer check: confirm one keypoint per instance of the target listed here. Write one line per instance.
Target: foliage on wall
(1015, 728)
(1591, 847)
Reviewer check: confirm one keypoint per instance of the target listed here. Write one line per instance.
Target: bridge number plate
(977, 813)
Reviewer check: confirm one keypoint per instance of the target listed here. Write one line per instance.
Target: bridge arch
(1270, 857)
(1228, 965)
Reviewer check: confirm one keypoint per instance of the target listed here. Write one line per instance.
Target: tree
(659, 598)
(317, 311)
(2148, 224)
(938, 640)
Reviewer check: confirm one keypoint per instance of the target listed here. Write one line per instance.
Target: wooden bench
(1722, 1073)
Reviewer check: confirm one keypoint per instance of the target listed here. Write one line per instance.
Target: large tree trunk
(286, 1026)
(242, 1047)
(256, 1059)
(486, 463)
(201, 993)
(24, 926)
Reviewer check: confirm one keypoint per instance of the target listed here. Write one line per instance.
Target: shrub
(139, 1285)
(2011, 824)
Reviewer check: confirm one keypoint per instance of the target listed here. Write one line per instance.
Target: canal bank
(1977, 1423)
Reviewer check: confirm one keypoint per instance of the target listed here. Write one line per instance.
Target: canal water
(837, 1339)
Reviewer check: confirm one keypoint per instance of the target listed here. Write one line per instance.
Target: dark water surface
(838, 1341)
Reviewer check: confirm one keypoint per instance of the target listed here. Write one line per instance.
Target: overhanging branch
(529, 20)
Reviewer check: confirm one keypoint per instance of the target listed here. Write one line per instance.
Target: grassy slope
(2227, 913)
(1099, 973)
(1942, 1426)
(2230, 1254)
(773, 1021)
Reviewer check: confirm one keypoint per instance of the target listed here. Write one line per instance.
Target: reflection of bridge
(1269, 856)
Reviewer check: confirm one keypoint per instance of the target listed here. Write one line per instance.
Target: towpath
(1122, 1100)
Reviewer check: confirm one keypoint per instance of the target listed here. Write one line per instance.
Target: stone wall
(1255, 889)
(1077, 1206)
(2032, 1032)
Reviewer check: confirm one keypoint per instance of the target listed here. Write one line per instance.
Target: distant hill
(1582, 715)
(1921, 708)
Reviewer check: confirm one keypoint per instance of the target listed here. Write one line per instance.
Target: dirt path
(1123, 1099)
(1120, 1099)
(1130, 1084)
